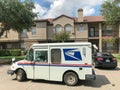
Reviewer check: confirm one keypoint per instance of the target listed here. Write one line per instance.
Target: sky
(55, 8)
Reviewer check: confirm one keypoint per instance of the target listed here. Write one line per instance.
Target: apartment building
(81, 29)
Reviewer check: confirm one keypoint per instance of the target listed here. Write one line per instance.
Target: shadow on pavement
(48, 82)
(109, 69)
(100, 81)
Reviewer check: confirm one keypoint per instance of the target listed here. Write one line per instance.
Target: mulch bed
(3, 62)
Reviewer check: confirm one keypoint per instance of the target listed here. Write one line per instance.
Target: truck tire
(70, 79)
(20, 75)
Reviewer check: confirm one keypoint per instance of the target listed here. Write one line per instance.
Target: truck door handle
(80, 68)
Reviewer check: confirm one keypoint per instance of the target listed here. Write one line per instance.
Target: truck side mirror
(13, 59)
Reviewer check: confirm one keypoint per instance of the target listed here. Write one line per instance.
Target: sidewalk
(119, 64)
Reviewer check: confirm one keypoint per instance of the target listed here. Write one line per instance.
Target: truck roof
(62, 44)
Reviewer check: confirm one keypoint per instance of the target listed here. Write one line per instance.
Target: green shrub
(4, 52)
(7, 52)
(15, 52)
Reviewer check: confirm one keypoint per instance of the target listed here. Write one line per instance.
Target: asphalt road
(106, 80)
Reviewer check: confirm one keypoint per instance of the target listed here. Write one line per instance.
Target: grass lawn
(117, 57)
(22, 57)
(10, 57)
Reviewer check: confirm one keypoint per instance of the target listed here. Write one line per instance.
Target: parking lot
(106, 80)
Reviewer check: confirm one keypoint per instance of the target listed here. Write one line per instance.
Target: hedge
(7, 52)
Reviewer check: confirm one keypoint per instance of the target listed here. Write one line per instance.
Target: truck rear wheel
(70, 79)
(20, 75)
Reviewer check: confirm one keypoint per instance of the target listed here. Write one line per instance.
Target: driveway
(106, 80)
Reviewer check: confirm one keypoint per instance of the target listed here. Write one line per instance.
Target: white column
(100, 37)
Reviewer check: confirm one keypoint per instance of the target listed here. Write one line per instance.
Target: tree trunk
(119, 46)
(119, 38)
(1, 32)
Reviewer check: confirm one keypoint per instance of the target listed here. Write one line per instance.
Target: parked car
(104, 59)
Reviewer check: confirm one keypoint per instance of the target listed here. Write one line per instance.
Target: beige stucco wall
(11, 36)
(41, 29)
(81, 34)
(96, 25)
(75, 33)
(63, 20)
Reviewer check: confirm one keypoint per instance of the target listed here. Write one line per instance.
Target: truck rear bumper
(10, 72)
(90, 76)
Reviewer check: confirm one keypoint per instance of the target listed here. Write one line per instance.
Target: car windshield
(104, 54)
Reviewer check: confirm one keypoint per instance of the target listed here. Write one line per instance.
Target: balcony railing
(94, 34)
(104, 33)
(107, 33)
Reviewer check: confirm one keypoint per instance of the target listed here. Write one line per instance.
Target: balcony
(107, 33)
(93, 34)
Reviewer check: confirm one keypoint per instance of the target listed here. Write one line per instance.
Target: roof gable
(63, 16)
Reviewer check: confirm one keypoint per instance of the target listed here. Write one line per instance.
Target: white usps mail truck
(67, 62)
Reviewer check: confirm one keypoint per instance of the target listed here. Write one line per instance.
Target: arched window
(58, 28)
(68, 28)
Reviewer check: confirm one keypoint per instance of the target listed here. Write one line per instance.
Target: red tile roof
(94, 18)
(86, 19)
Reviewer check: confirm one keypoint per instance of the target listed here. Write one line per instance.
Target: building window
(56, 56)
(24, 33)
(108, 47)
(92, 32)
(81, 28)
(108, 31)
(58, 28)
(9, 46)
(33, 31)
(68, 28)
(109, 27)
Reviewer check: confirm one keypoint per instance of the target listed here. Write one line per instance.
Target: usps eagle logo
(72, 54)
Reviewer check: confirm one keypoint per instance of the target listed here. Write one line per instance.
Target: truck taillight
(99, 59)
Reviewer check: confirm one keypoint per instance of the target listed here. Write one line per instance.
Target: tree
(61, 36)
(111, 11)
(16, 15)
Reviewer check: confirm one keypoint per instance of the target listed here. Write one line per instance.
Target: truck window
(55, 56)
(29, 55)
(84, 51)
(41, 56)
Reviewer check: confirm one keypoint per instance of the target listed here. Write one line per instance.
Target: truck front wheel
(20, 75)
(70, 78)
